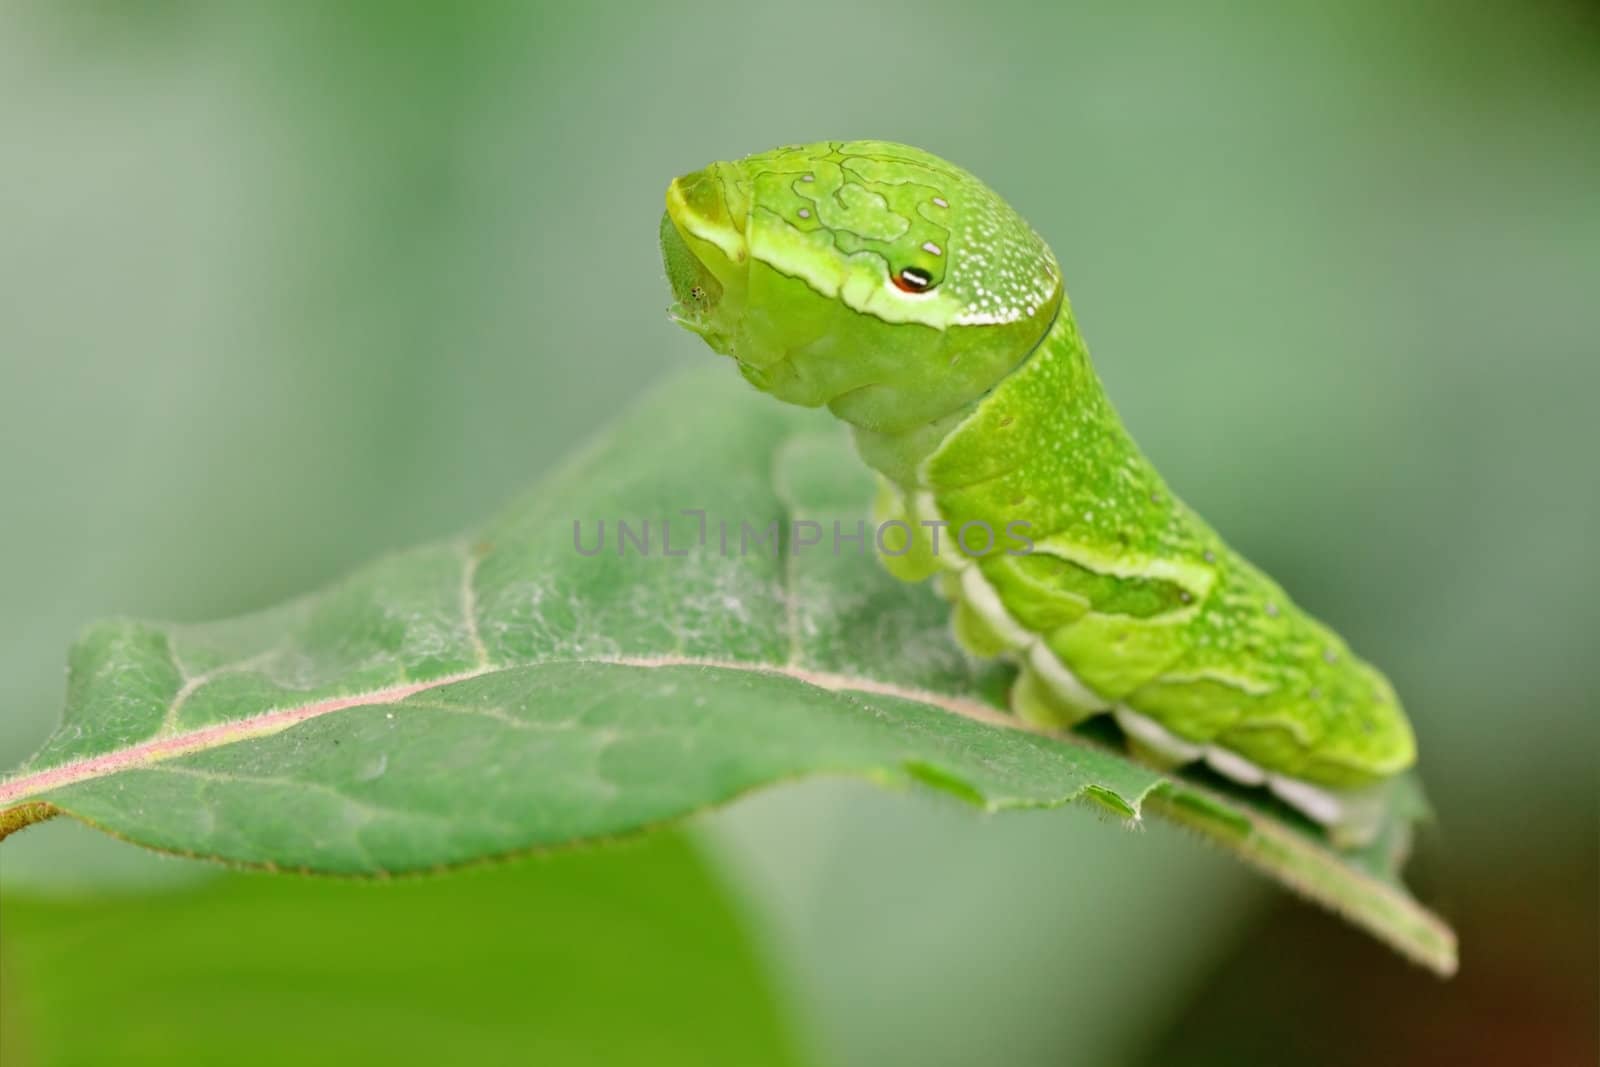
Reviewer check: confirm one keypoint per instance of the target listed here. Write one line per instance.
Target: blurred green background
(286, 285)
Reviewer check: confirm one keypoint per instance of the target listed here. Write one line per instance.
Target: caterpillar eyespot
(1124, 602)
(912, 280)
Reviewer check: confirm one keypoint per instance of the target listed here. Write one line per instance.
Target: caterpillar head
(868, 276)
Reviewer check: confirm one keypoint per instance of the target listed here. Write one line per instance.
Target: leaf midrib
(23, 787)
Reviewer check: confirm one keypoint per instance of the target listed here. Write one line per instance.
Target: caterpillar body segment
(908, 298)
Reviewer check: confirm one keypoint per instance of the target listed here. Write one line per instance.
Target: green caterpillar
(912, 301)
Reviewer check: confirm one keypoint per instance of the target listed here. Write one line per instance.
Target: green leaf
(508, 691)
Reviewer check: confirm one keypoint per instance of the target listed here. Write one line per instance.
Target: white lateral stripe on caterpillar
(1158, 737)
(1353, 814)
(981, 596)
(1234, 766)
(983, 599)
(1060, 678)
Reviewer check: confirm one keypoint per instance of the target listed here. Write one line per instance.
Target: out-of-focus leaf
(530, 962)
(521, 689)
